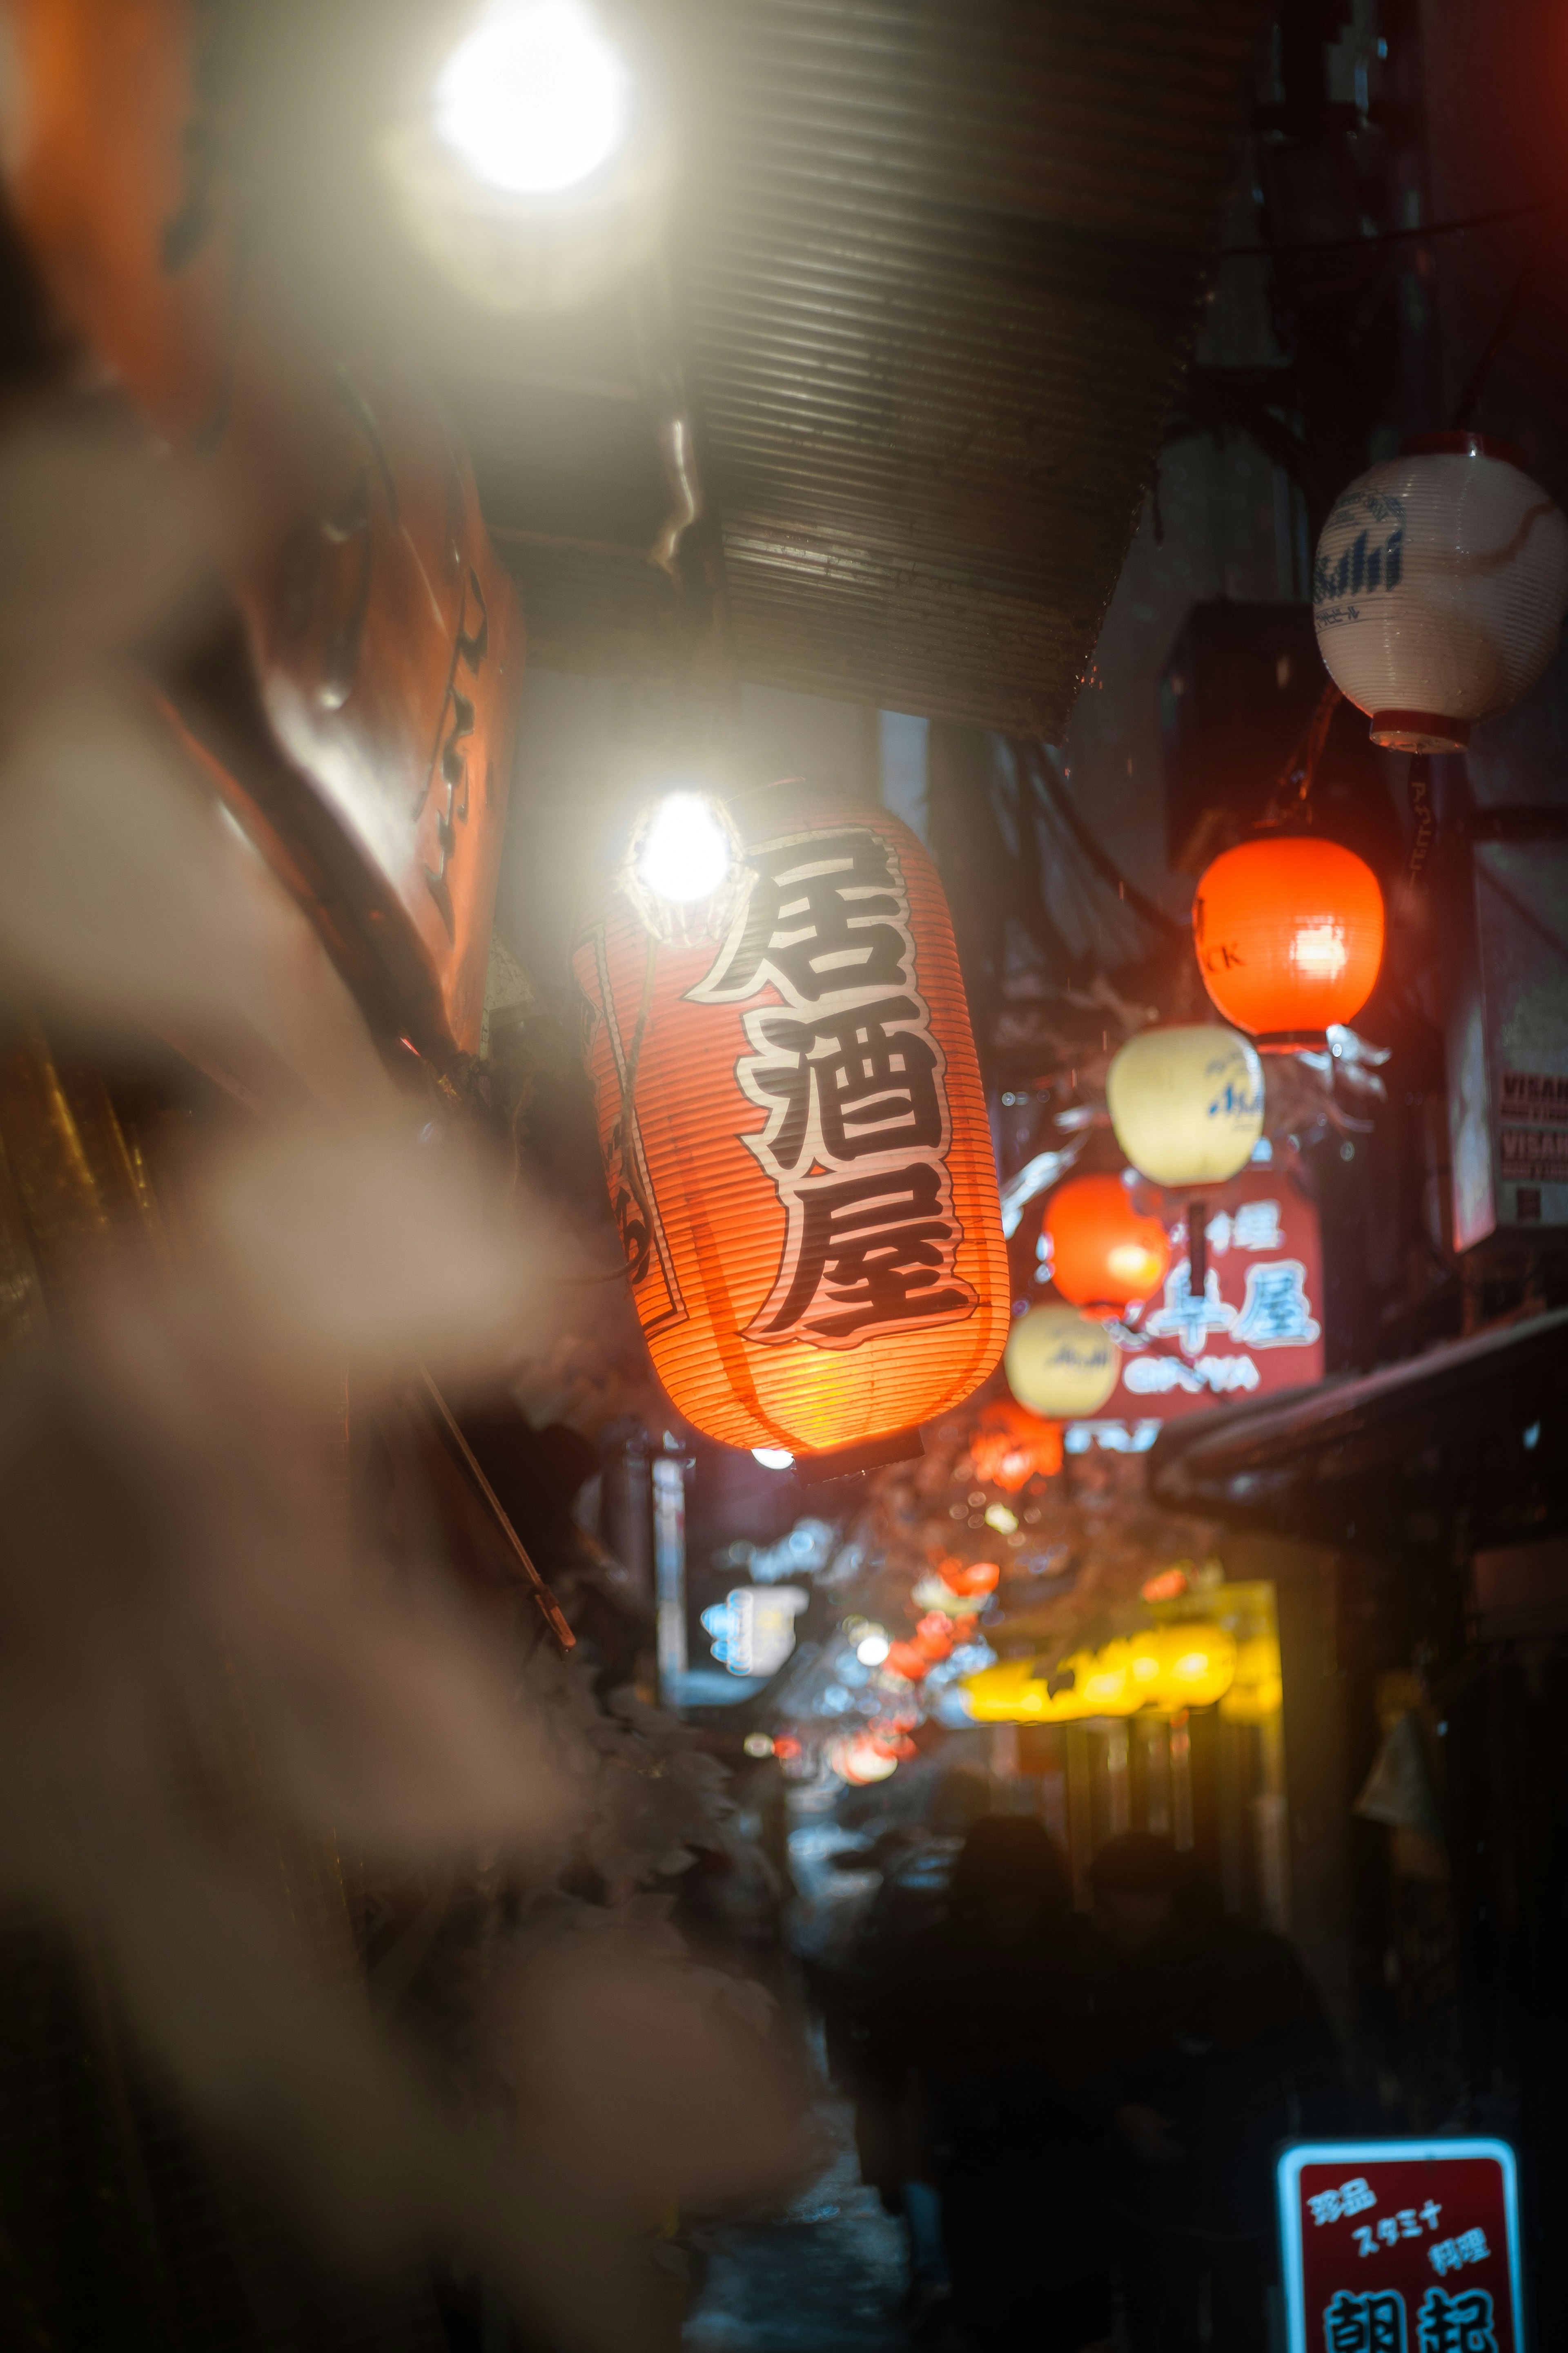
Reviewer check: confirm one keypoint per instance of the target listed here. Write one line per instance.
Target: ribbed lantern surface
(1439, 590)
(1060, 1363)
(796, 1142)
(1187, 1103)
(1289, 933)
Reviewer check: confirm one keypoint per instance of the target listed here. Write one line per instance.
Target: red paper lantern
(908, 1658)
(1104, 1251)
(1289, 932)
(1012, 1446)
(796, 1141)
(971, 1578)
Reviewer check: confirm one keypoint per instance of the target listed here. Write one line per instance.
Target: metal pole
(669, 1574)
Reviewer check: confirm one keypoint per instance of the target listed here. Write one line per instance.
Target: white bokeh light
(686, 852)
(534, 100)
(772, 1458)
(872, 1649)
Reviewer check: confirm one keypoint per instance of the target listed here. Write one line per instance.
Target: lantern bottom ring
(868, 1454)
(1292, 1041)
(1418, 730)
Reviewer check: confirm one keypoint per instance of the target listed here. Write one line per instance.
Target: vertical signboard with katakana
(1401, 2247)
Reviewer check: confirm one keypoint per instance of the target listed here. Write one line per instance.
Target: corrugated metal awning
(939, 295)
(935, 271)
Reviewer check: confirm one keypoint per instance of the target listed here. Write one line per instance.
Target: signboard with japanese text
(1258, 1327)
(795, 1140)
(1401, 2247)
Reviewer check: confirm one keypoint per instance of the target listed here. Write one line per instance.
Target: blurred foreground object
(796, 1145)
(384, 640)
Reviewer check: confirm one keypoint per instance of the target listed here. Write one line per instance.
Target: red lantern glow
(816, 1253)
(971, 1578)
(1012, 1446)
(1105, 1252)
(1289, 932)
(933, 1635)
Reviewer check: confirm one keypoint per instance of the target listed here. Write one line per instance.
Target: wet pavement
(826, 2275)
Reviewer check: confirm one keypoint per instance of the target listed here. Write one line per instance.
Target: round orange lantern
(1104, 1251)
(795, 1134)
(970, 1579)
(1012, 1446)
(1289, 931)
(908, 1658)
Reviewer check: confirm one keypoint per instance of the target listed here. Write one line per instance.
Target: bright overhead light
(534, 100)
(685, 871)
(686, 853)
(772, 1458)
(872, 1650)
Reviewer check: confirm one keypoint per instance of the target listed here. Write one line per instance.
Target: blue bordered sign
(1401, 2246)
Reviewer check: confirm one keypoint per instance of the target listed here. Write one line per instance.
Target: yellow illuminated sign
(1190, 1664)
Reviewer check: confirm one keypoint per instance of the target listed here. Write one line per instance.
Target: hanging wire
(1531, 272)
(1038, 761)
(1374, 240)
(1292, 801)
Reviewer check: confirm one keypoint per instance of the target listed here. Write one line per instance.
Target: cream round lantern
(1439, 590)
(1060, 1363)
(1187, 1104)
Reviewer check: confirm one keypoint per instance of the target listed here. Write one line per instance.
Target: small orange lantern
(1289, 932)
(1011, 1447)
(908, 1658)
(1105, 1252)
(796, 1141)
(933, 1635)
(971, 1578)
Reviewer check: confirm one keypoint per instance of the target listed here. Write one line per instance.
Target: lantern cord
(1038, 759)
(1292, 800)
(1524, 285)
(1387, 237)
(628, 1104)
(548, 1607)
(1419, 786)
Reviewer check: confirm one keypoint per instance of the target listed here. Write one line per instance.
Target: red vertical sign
(1401, 2247)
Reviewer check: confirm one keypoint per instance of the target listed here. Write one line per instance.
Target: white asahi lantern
(1439, 590)
(1060, 1363)
(1187, 1104)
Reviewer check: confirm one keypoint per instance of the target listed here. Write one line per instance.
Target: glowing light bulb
(686, 853)
(535, 99)
(1319, 951)
(872, 1649)
(772, 1458)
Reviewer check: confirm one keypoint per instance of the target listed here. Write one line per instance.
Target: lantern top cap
(1464, 444)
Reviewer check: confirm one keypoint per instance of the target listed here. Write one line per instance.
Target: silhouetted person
(1211, 2048)
(987, 2023)
(917, 1867)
